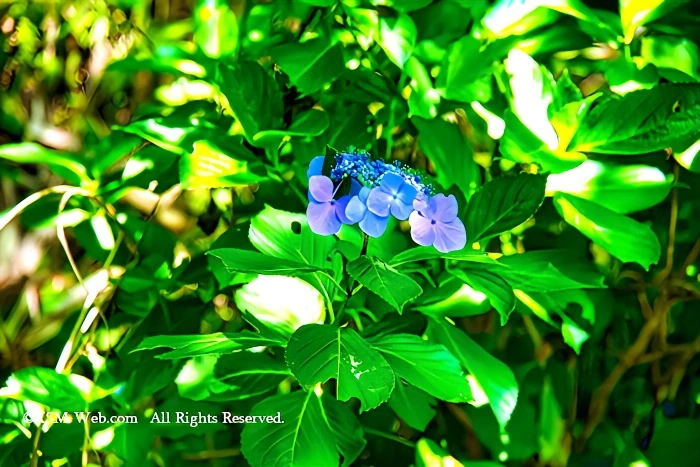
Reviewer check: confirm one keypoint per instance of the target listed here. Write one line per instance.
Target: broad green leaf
(453, 298)
(425, 365)
(675, 442)
(424, 99)
(552, 427)
(44, 386)
(678, 53)
(273, 233)
(394, 287)
(516, 17)
(209, 167)
(622, 237)
(402, 5)
(689, 158)
(66, 165)
(422, 253)
(301, 437)
(235, 260)
(310, 65)
(397, 36)
(241, 376)
(667, 116)
(447, 148)
(216, 28)
(318, 352)
(207, 344)
(346, 428)
(636, 13)
(313, 122)
(414, 406)
(549, 271)
(499, 292)
(283, 303)
(519, 144)
(253, 96)
(465, 71)
(532, 92)
(430, 454)
(620, 188)
(503, 204)
(494, 377)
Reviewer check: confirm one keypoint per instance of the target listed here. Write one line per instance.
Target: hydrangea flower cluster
(378, 190)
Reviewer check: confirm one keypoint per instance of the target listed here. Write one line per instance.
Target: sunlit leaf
(319, 352)
(391, 285)
(623, 237)
(217, 343)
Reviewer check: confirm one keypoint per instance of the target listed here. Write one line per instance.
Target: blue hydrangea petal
(422, 229)
(355, 187)
(407, 193)
(379, 201)
(340, 206)
(322, 218)
(391, 183)
(374, 225)
(315, 167)
(450, 236)
(445, 208)
(400, 210)
(355, 210)
(321, 188)
(364, 194)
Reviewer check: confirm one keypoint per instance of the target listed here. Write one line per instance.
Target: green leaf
(636, 13)
(273, 233)
(675, 442)
(503, 204)
(667, 116)
(689, 158)
(394, 287)
(622, 237)
(241, 378)
(318, 352)
(425, 365)
(464, 73)
(313, 122)
(499, 292)
(422, 253)
(494, 377)
(253, 96)
(397, 36)
(310, 65)
(549, 271)
(209, 167)
(346, 428)
(216, 28)
(44, 386)
(415, 407)
(532, 92)
(424, 99)
(519, 144)
(302, 437)
(65, 165)
(235, 260)
(447, 148)
(207, 344)
(621, 188)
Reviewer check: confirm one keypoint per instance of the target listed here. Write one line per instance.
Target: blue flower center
(432, 222)
(394, 196)
(333, 202)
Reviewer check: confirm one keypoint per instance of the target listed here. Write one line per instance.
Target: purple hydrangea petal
(340, 206)
(445, 208)
(421, 202)
(355, 210)
(450, 236)
(315, 166)
(391, 183)
(322, 218)
(407, 193)
(374, 225)
(422, 229)
(400, 210)
(379, 202)
(321, 188)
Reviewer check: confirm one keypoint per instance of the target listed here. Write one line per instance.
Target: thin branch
(663, 274)
(381, 434)
(34, 197)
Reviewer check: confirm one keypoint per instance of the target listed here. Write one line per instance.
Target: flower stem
(351, 285)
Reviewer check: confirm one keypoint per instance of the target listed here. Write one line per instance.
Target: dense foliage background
(155, 256)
